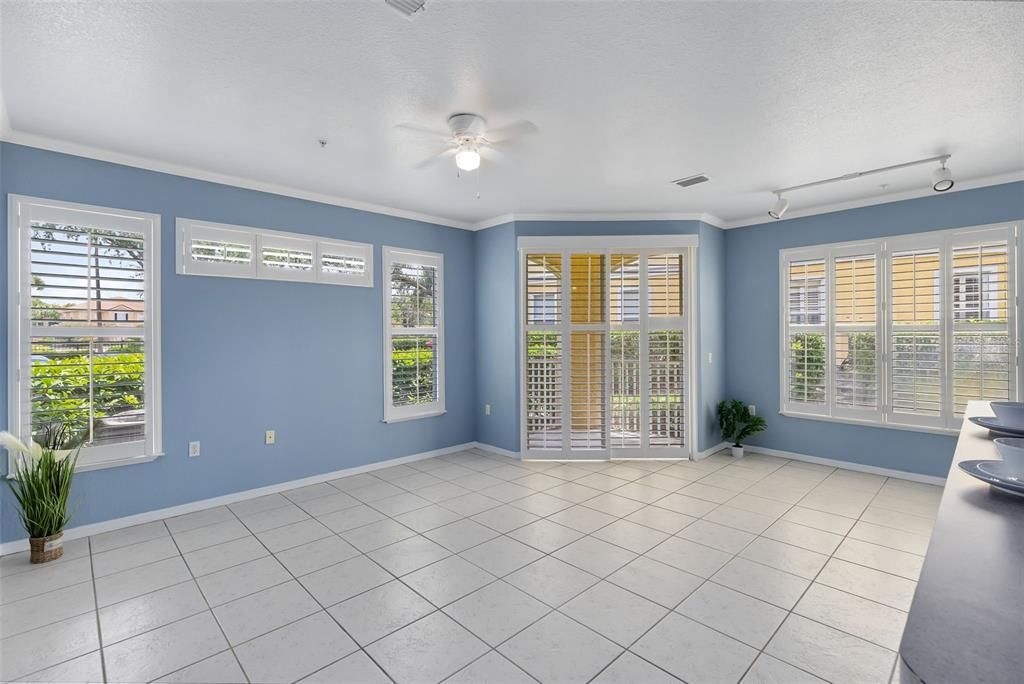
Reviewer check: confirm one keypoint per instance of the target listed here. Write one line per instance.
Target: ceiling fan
(468, 140)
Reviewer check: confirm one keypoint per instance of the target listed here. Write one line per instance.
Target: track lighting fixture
(779, 208)
(942, 180)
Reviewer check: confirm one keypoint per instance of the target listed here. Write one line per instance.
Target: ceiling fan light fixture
(942, 178)
(779, 208)
(467, 158)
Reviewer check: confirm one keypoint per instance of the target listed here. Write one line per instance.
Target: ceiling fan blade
(434, 159)
(491, 154)
(510, 132)
(423, 131)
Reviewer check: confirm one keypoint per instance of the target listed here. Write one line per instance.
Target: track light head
(942, 179)
(779, 208)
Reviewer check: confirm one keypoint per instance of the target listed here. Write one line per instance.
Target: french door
(606, 352)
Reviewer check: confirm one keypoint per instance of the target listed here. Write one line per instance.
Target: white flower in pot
(738, 423)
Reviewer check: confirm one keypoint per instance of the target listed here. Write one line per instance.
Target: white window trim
(884, 417)
(608, 244)
(19, 214)
(389, 255)
(256, 238)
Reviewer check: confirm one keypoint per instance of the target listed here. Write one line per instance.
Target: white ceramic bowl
(1009, 412)
(1011, 450)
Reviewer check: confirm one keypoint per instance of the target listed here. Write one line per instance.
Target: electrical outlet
(711, 358)
(270, 438)
(193, 449)
(752, 409)
(487, 409)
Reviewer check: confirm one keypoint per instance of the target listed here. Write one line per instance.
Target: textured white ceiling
(626, 96)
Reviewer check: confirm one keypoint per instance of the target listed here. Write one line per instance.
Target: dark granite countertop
(966, 622)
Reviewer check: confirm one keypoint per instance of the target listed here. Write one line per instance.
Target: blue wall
(497, 322)
(244, 356)
(752, 319)
(498, 330)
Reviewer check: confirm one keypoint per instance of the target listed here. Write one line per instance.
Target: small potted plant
(738, 423)
(41, 483)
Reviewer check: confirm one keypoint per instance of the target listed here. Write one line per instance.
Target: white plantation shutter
(855, 335)
(85, 327)
(588, 341)
(286, 258)
(605, 374)
(544, 390)
(413, 334)
(545, 343)
(983, 356)
(917, 377)
(345, 263)
(626, 392)
(216, 249)
(667, 379)
(665, 356)
(917, 326)
(806, 313)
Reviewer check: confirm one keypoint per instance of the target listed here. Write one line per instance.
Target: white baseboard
(848, 465)
(515, 454)
(713, 450)
(497, 450)
(149, 516)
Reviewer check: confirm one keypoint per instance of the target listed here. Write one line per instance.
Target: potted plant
(41, 482)
(738, 423)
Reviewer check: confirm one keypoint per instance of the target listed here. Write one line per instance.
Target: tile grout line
(212, 614)
(791, 611)
(323, 608)
(99, 625)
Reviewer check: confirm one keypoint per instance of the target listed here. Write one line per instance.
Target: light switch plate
(193, 449)
(270, 438)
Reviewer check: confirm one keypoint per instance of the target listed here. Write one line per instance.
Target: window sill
(116, 463)
(415, 416)
(872, 423)
(102, 465)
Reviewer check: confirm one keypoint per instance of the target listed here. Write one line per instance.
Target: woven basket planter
(46, 549)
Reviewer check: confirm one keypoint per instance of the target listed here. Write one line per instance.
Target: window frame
(186, 230)
(687, 322)
(945, 241)
(390, 256)
(22, 210)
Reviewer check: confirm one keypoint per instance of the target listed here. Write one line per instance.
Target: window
(216, 249)
(606, 360)
(900, 331)
(84, 328)
(413, 334)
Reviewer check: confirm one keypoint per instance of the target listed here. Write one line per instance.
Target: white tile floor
(476, 568)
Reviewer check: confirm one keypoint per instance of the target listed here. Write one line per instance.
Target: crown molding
(610, 216)
(972, 184)
(7, 134)
(54, 145)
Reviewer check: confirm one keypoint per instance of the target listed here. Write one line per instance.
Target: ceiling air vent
(691, 180)
(407, 7)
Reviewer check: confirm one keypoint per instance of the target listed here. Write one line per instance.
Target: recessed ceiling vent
(407, 7)
(691, 180)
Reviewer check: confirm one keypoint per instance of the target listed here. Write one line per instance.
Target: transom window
(217, 249)
(413, 334)
(85, 328)
(901, 331)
